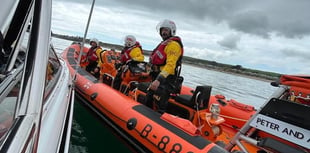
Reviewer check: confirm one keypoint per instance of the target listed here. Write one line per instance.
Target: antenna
(82, 46)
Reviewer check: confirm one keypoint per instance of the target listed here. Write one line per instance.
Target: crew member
(132, 52)
(93, 53)
(166, 60)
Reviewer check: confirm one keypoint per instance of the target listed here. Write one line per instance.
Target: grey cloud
(253, 22)
(294, 29)
(288, 18)
(302, 55)
(199, 9)
(230, 41)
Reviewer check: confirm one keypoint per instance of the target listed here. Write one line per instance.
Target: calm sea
(91, 135)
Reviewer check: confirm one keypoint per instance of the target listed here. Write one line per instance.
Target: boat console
(280, 125)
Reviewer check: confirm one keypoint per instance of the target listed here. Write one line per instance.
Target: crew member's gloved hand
(154, 85)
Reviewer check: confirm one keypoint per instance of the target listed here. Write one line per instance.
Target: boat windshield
(10, 86)
(14, 44)
(7, 108)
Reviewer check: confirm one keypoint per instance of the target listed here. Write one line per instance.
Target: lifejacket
(91, 54)
(107, 62)
(125, 54)
(158, 56)
(107, 56)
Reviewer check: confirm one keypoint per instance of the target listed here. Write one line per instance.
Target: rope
(233, 118)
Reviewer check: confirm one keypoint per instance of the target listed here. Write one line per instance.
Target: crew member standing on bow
(93, 53)
(166, 60)
(132, 52)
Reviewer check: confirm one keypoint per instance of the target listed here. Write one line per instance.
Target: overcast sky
(268, 35)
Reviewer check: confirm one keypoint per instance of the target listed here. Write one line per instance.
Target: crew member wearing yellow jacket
(131, 53)
(132, 50)
(166, 60)
(93, 56)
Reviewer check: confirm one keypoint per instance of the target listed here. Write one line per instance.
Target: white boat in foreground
(36, 92)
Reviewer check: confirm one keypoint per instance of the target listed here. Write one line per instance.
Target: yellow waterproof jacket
(136, 54)
(98, 53)
(173, 52)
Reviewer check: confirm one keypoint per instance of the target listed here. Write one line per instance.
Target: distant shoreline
(237, 74)
(211, 65)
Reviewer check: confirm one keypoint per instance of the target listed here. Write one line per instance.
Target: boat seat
(142, 86)
(177, 89)
(200, 98)
(184, 99)
(137, 67)
(107, 79)
(178, 85)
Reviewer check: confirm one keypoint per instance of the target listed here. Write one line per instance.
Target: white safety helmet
(167, 24)
(130, 40)
(94, 40)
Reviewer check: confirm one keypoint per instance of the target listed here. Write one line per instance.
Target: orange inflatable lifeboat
(143, 128)
(195, 120)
